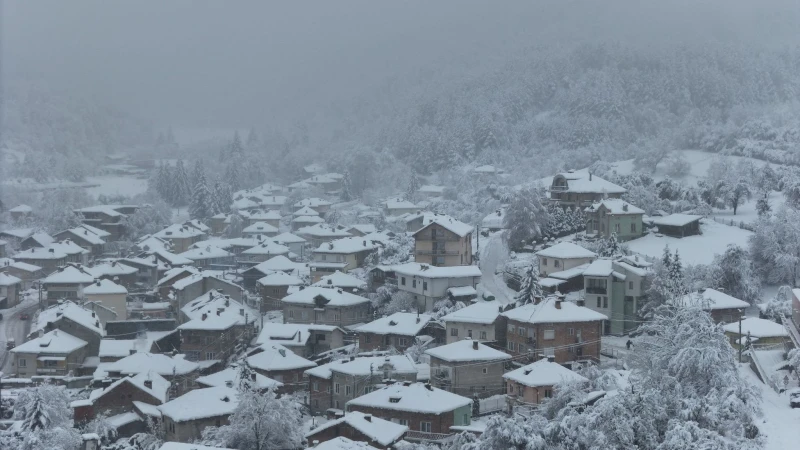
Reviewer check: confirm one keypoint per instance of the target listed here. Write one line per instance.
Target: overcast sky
(231, 63)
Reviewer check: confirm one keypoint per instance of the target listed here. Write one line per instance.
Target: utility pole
(478, 242)
(741, 313)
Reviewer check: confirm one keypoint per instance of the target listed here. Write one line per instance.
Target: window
(335, 316)
(548, 393)
(394, 399)
(466, 419)
(440, 259)
(571, 331)
(469, 333)
(549, 334)
(368, 338)
(210, 355)
(316, 403)
(425, 427)
(324, 257)
(556, 263)
(336, 404)
(413, 283)
(291, 314)
(403, 421)
(424, 285)
(519, 389)
(549, 351)
(485, 370)
(402, 342)
(630, 285)
(22, 362)
(633, 228)
(511, 328)
(544, 261)
(605, 302)
(403, 281)
(521, 348)
(521, 331)
(616, 227)
(453, 331)
(172, 426)
(510, 346)
(217, 422)
(598, 302)
(483, 335)
(510, 389)
(347, 391)
(336, 388)
(327, 388)
(316, 386)
(304, 315)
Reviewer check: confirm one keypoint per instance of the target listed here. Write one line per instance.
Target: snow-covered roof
(599, 268)
(120, 348)
(412, 397)
(104, 286)
(365, 228)
(55, 342)
(347, 245)
(566, 250)
(494, 219)
(191, 279)
(262, 215)
(467, 350)
(280, 279)
(182, 446)
(8, 280)
(19, 265)
(584, 182)
(364, 366)
(400, 323)
(216, 311)
(40, 253)
(179, 230)
(159, 389)
(323, 230)
(548, 282)
(340, 280)
(379, 430)
(760, 328)
(172, 258)
(675, 220)
(71, 311)
(480, 312)
(277, 263)
(287, 238)
(89, 236)
(109, 210)
(43, 239)
(640, 271)
(343, 443)
(21, 209)
(311, 202)
(455, 226)
(615, 206)
(70, 274)
(174, 272)
(487, 169)
(462, 291)
(305, 211)
(289, 334)
(207, 252)
(201, 403)
(111, 269)
(428, 271)
(431, 189)
(569, 273)
(97, 231)
(308, 219)
(156, 362)
(147, 409)
(399, 203)
(711, 299)
(550, 310)
(260, 227)
(122, 419)
(276, 358)
(68, 247)
(151, 243)
(325, 296)
(231, 374)
(267, 248)
(543, 373)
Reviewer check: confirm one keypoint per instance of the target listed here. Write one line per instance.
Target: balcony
(555, 188)
(596, 290)
(437, 252)
(422, 436)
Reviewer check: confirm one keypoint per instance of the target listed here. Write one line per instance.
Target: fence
(492, 404)
(732, 223)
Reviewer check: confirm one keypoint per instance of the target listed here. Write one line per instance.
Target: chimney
(205, 316)
(551, 358)
(132, 351)
(55, 332)
(590, 176)
(253, 376)
(368, 417)
(241, 311)
(352, 358)
(624, 206)
(330, 281)
(282, 352)
(428, 386)
(97, 282)
(558, 303)
(474, 345)
(148, 384)
(52, 250)
(93, 314)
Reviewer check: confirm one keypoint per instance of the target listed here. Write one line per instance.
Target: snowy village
(561, 246)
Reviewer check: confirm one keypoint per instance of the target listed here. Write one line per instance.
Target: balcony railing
(596, 290)
(437, 252)
(559, 188)
(422, 436)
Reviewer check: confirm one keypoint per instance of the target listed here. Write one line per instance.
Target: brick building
(468, 368)
(399, 331)
(532, 384)
(186, 417)
(118, 397)
(326, 306)
(280, 364)
(360, 427)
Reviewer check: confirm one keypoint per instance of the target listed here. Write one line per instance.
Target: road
(494, 255)
(11, 327)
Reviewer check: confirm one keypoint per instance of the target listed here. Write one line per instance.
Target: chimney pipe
(148, 384)
(474, 345)
(368, 417)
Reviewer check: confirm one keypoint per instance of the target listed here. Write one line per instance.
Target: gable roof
(479, 312)
(201, 403)
(104, 286)
(156, 362)
(467, 350)
(260, 227)
(40, 253)
(324, 230)
(216, 311)
(379, 430)
(267, 248)
(277, 358)
(347, 245)
(566, 250)
(287, 238)
(8, 280)
(543, 373)
(231, 374)
(583, 182)
(341, 280)
(399, 203)
(289, 334)
(758, 328)
(428, 271)
(400, 323)
(412, 397)
(179, 230)
(207, 252)
(175, 271)
(364, 366)
(71, 311)
(615, 206)
(277, 263)
(328, 296)
(711, 299)
(675, 220)
(159, 389)
(548, 312)
(113, 268)
(8, 262)
(365, 228)
(450, 224)
(312, 202)
(56, 341)
(280, 279)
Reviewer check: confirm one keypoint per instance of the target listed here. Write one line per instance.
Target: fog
(240, 63)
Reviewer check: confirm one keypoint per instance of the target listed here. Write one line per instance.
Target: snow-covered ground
(698, 249)
(779, 422)
(493, 254)
(116, 185)
(747, 212)
(11, 327)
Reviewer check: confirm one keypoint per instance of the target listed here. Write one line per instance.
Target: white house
(109, 294)
(430, 283)
(563, 256)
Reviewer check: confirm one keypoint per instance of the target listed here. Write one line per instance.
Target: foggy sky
(239, 63)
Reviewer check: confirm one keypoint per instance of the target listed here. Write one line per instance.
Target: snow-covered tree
(233, 176)
(763, 207)
(775, 246)
(665, 285)
(201, 206)
(413, 187)
(530, 290)
(738, 194)
(148, 219)
(609, 247)
(222, 196)
(46, 420)
(347, 189)
(525, 216)
(180, 188)
(779, 306)
(235, 227)
(732, 272)
(56, 211)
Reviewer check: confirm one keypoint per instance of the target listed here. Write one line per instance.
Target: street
(494, 254)
(11, 327)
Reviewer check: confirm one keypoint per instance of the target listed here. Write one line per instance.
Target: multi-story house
(86, 236)
(317, 204)
(180, 372)
(326, 306)
(36, 240)
(121, 397)
(270, 217)
(581, 189)
(280, 263)
(109, 294)
(280, 364)
(429, 284)
(10, 288)
(421, 407)
(468, 368)
(76, 320)
(184, 418)
(722, 307)
(260, 229)
(209, 257)
(555, 328)
(47, 258)
(398, 207)
(262, 252)
(359, 428)
(120, 273)
(28, 273)
(342, 281)
(296, 244)
(275, 287)
(183, 235)
(55, 353)
(614, 216)
(616, 289)
(562, 257)
(193, 286)
(346, 253)
(481, 321)
(306, 340)
(530, 385)
(107, 218)
(75, 253)
(333, 384)
(319, 234)
(67, 283)
(443, 241)
(398, 331)
(761, 331)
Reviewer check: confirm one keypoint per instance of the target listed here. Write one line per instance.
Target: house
(342, 281)
(494, 221)
(214, 325)
(55, 353)
(107, 218)
(760, 331)
(270, 217)
(326, 306)
(28, 273)
(333, 384)
(468, 367)
(86, 236)
(361, 229)
(487, 170)
(218, 223)
(109, 294)
(306, 340)
(444, 242)
(581, 189)
(345, 254)
(180, 372)
(20, 212)
(10, 288)
(614, 216)
(149, 270)
(260, 228)
(722, 307)
(189, 288)
(317, 204)
(421, 407)
(398, 331)
(281, 364)
(262, 252)
(563, 256)
(36, 240)
(15, 235)
(182, 446)
(295, 243)
(359, 427)
(250, 201)
(112, 350)
(75, 253)
(481, 321)
(231, 377)
(171, 276)
(170, 258)
(428, 284)
(431, 191)
(398, 207)
(532, 384)
(557, 328)
(616, 289)
(280, 263)
(73, 319)
(113, 270)
(678, 225)
(149, 243)
(209, 257)
(67, 283)
(185, 417)
(300, 222)
(3, 250)
(794, 319)
(182, 236)
(47, 258)
(119, 397)
(319, 234)
(275, 287)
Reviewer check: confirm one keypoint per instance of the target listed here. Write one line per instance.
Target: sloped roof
(19, 265)
(414, 397)
(543, 373)
(280, 279)
(675, 220)
(323, 230)
(70, 274)
(287, 238)
(277, 263)
(711, 299)
(113, 268)
(346, 245)
(40, 253)
(329, 296)
(364, 366)
(446, 222)
(155, 362)
(207, 252)
(566, 250)
(8, 280)
(480, 312)
(381, 431)
(547, 312)
(231, 374)
(400, 323)
(760, 328)
(584, 182)
(340, 280)
(267, 248)
(276, 358)
(615, 206)
(67, 310)
(428, 271)
(56, 341)
(465, 350)
(260, 227)
(221, 312)
(201, 403)
(289, 334)
(104, 286)
(159, 389)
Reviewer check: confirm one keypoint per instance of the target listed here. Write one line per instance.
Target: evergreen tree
(170, 138)
(677, 281)
(36, 415)
(198, 171)
(413, 187)
(236, 150)
(763, 207)
(530, 290)
(201, 206)
(180, 187)
(525, 217)
(610, 248)
(252, 138)
(347, 193)
(222, 196)
(233, 175)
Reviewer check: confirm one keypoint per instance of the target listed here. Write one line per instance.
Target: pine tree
(197, 171)
(233, 175)
(413, 187)
(201, 205)
(347, 193)
(609, 247)
(170, 139)
(530, 290)
(222, 197)
(36, 415)
(180, 187)
(236, 150)
(677, 280)
(252, 138)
